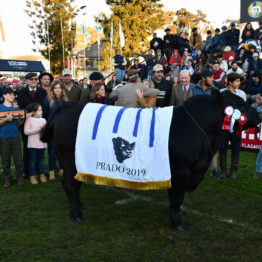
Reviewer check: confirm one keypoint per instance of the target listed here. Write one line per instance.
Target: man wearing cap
(156, 43)
(126, 95)
(228, 54)
(234, 81)
(169, 43)
(72, 90)
(10, 140)
(233, 37)
(27, 95)
(95, 77)
(223, 37)
(45, 79)
(119, 63)
(165, 87)
(255, 65)
(205, 85)
(182, 91)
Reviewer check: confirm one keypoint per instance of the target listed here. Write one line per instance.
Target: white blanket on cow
(124, 147)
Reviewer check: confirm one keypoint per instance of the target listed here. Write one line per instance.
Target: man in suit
(29, 94)
(182, 91)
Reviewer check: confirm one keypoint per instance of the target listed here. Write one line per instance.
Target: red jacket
(172, 60)
(226, 56)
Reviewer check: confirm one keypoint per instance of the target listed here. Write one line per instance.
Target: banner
(250, 11)
(251, 138)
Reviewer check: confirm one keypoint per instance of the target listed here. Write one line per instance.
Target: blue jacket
(233, 37)
(48, 109)
(252, 88)
(215, 41)
(255, 67)
(197, 90)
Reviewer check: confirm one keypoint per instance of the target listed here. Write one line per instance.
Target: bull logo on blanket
(123, 149)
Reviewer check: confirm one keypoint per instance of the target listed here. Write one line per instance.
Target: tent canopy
(21, 66)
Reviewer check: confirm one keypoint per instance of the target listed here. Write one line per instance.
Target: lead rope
(201, 129)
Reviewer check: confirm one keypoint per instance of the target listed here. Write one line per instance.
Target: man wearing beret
(27, 95)
(95, 77)
(72, 90)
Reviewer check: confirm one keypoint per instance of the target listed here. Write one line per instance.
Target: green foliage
(138, 18)
(47, 17)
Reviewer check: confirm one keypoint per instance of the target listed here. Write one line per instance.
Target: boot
(234, 166)
(223, 164)
(256, 175)
(51, 175)
(60, 172)
(43, 178)
(33, 180)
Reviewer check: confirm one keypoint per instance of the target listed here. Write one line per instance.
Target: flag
(112, 35)
(121, 36)
(86, 38)
(98, 29)
(251, 11)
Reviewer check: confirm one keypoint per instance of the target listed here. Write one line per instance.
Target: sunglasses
(33, 79)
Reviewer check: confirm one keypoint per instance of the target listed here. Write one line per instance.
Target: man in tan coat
(182, 91)
(195, 40)
(126, 95)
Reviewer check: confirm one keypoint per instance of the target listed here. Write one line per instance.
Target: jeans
(235, 144)
(36, 159)
(52, 157)
(120, 74)
(259, 161)
(11, 147)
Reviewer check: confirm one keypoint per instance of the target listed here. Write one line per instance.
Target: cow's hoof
(77, 219)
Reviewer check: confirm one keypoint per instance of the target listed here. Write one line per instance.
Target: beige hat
(227, 49)
(66, 71)
(158, 67)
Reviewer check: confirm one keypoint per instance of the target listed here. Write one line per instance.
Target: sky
(18, 40)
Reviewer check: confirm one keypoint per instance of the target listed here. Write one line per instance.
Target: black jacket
(156, 43)
(163, 97)
(24, 97)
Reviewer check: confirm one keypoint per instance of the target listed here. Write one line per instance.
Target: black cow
(195, 136)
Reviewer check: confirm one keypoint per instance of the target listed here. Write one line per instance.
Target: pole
(48, 46)
(62, 35)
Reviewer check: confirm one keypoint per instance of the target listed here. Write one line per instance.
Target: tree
(50, 23)
(138, 18)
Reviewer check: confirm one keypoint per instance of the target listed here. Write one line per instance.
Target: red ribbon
(242, 120)
(226, 123)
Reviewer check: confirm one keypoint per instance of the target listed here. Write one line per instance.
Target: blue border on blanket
(152, 128)
(97, 121)
(137, 122)
(118, 118)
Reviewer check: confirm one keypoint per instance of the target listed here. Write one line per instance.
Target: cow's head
(123, 149)
(230, 99)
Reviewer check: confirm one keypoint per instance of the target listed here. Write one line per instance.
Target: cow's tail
(48, 131)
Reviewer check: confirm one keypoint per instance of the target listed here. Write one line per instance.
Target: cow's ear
(132, 146)
(217, 96)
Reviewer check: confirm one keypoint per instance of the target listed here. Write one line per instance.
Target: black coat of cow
(195, 136)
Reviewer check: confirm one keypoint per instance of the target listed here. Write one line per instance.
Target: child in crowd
(10, 140)
(36, 148)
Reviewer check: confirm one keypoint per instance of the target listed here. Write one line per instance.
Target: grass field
(223, 218)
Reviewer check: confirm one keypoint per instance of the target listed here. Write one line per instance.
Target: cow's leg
(176, 198)
(72, 188)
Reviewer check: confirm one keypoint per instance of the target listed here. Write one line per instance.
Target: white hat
(66, 71)
(227, 49)
(255, 54)
(158, 67)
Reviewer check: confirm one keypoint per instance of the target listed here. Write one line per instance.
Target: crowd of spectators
(174, 69)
